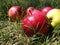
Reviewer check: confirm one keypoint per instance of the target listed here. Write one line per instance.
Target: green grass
(11, 33)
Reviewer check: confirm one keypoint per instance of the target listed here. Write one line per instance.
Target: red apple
(15, 13)
(31, 11)
(45, 10)
(35, 23)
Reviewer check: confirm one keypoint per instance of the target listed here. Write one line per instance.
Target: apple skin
(31, 11)
(54, 16)
(35, 11)
(45, 10)
(35, 23)
(15, 13)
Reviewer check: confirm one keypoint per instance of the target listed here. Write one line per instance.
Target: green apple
(54, 16)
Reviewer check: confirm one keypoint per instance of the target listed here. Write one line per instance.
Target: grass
(11, 33)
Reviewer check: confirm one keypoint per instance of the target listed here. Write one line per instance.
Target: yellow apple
(54, 16)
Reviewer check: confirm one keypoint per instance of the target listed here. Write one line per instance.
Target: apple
(31, 11)
(15, 13)
(45, 10)
(35, 23)
(54, 17)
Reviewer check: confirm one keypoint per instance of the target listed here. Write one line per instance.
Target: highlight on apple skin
(34, 24)
(45, 10)
(15, 13)
(54, 17)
